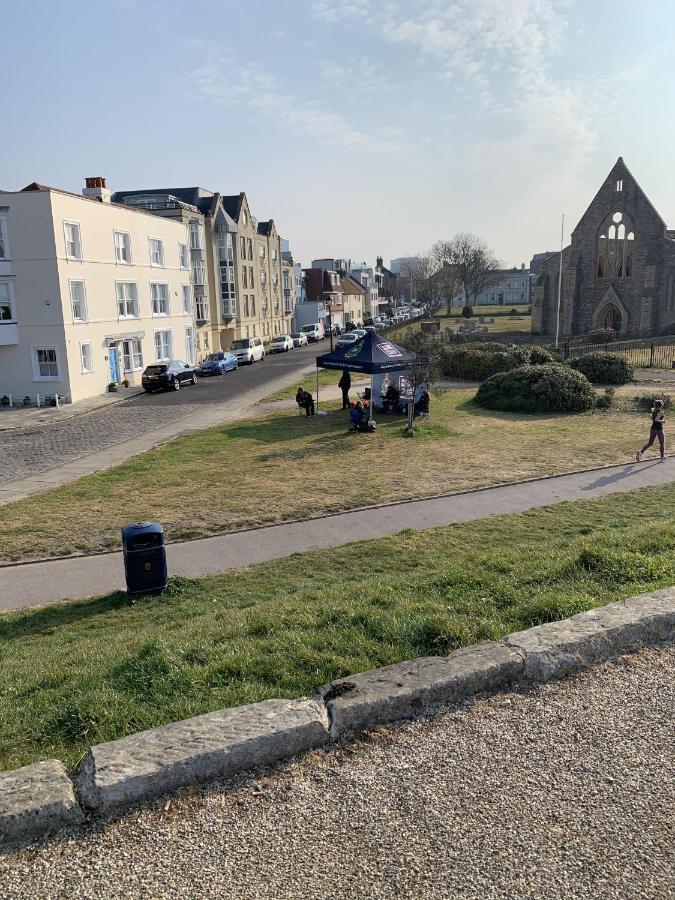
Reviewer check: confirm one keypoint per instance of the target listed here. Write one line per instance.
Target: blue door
(114, 364)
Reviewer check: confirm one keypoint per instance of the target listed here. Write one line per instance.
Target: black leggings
(655, 433)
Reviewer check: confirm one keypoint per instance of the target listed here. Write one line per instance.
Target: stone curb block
(36, 800)
(216, 745)
(558, 648)
(407, 689)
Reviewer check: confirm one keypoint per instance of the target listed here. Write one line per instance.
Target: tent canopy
(371, 355)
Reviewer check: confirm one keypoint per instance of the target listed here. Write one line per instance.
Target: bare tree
(475, 264)
(415, 272)
(443, 257)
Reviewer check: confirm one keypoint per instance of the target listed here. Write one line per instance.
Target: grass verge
(77, 674)
(284, 466)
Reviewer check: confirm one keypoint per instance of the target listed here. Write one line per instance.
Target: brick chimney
(95, 189)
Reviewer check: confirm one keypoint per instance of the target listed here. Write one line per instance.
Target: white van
(313, 332)
(248, 350)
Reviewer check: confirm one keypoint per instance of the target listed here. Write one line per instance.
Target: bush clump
(646, 401)
(547, 388)
(479, 361)
(604, 368)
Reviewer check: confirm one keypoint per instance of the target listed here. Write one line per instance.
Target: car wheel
(194, 378)
(176, 384)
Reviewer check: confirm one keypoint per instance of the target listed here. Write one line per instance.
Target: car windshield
(214, 357)
(309, 328)
(156, 370)
(296, 334)
(239, 345)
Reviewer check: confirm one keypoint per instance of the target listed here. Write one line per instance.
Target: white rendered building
(90, 292)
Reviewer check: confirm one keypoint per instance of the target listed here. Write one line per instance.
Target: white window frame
(135, 314)
(158, 284)
(67, 222)
(161, 263)
(169, 344)
(4, 239)
(36, 365)
(183, 256)
(186, 292)
(190, 345)
(84, 316)
(83, 366)
(10, 300)
(126, 246)
(132, 355)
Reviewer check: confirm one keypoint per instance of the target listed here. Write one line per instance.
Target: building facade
(505, 287)
(365, 275)
(618, 271)
(90, 292)
(212, 238)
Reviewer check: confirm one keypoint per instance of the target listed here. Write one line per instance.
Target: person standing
(345, 384)
(656, 431)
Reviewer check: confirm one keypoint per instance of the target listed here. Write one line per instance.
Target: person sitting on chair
(355, 416)
(392, 399)
(305, 401)
(422, 405)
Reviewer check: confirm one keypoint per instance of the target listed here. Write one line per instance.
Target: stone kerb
(407, 689)
(36, 800)
(558, 648)
(143, 766)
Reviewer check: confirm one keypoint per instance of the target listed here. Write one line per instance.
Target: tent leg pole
(372, 395)
(317, 388)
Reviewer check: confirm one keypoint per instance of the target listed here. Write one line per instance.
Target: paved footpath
(37, 584)
(565, 791)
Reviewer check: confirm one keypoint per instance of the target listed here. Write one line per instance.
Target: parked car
(282, 344)
(248, 350)
(334, 329)
(359, 332)
(347, 340)
(350, 326)
(167, 376)
(314, 332)
(299, 339)
(217, 363)
(370, 328)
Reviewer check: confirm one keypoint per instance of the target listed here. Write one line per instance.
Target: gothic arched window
(615, 247)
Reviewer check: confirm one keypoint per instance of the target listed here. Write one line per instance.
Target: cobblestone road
(29, 451)
(565, 791)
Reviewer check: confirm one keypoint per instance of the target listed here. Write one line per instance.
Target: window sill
(127, 318)
(160, 315)
(49, 379)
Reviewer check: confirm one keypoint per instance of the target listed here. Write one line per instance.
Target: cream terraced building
(91, 292)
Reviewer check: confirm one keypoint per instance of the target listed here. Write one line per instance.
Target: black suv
(168, 376)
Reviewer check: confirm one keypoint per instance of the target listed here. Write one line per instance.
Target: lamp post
(330, 324)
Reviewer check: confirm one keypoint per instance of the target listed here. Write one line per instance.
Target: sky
(363, 127)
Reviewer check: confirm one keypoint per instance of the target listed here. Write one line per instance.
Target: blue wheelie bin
(144, 557)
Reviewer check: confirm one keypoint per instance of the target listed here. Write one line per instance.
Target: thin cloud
(221, 81)
(358, 75)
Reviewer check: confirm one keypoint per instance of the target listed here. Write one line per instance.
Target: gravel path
(566, 791)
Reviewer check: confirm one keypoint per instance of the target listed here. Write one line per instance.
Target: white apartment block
(90, 292)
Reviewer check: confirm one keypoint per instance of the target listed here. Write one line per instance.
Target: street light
(330, 326)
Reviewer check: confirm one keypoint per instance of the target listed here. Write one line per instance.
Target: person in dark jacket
(422, 405)
(656, 431)
(305, 401)
(344, 384)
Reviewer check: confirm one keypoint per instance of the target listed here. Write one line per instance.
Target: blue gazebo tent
(372, 355)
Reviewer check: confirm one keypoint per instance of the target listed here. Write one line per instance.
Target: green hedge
(542, 388)
(604, 368)
(477, 362)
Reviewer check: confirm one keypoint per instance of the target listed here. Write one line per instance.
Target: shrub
(467, 312)
(646, 401)
(604, 401)
(600, 336)
(604, 368)
(549, 388)
(478, 361)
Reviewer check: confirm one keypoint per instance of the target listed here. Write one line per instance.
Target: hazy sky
(363, 127)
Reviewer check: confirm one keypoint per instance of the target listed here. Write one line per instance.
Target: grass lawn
(77, 674)
(501, 325)
(285, 466)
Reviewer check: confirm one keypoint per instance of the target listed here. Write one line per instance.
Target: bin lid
(142, 528)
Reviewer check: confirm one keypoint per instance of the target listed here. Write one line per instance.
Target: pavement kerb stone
(143, 766)
(559, 648)
(35, 801)
(406, 689)
(39, 799)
